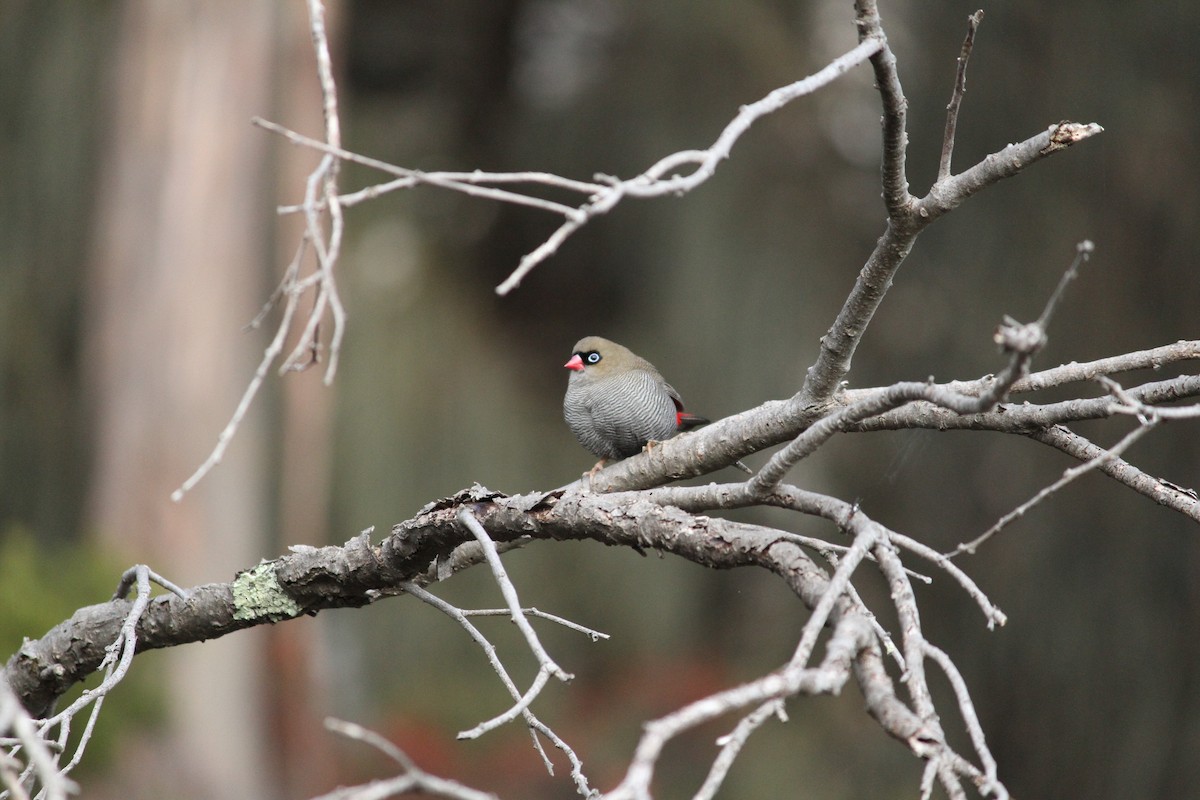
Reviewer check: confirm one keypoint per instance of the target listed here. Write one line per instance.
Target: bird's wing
(674, 395)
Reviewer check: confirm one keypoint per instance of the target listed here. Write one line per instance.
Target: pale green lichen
(257, 594)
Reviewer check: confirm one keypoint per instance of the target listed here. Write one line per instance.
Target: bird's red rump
(575, 363)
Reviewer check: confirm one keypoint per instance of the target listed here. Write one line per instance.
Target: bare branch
(895, 110)
(131, 576)
(118, 655)
(967, 708)
(994, 615)
(651, 183)
(849, 636)
(328, 249)
(321, 197)
(1025, 418)
(930, 742)
(1163, 492)
(43, 763)
(840, 342)
(725, 496)
(1021, 341)
(321, 182)
(603, 194)
(464, 182)
(947, 195)
(517, 709)
(1154, 358)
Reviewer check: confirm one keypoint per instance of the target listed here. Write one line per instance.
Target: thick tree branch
(311, 579)
(774, 422)
(1027, 418)
(355, 574)
(1154, 358)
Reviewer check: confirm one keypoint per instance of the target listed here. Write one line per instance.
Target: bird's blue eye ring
(592, 358)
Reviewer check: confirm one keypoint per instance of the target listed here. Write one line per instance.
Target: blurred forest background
(138, 235)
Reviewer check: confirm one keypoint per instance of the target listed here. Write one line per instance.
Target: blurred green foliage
(41, 586)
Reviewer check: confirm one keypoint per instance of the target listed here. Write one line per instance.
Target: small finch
(616, 401)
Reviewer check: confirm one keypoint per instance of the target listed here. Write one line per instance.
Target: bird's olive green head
(597, 357)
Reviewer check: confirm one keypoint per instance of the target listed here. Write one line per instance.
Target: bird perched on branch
(617, 402)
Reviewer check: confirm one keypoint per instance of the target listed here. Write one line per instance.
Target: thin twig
(931, 742)
(119, 654)
(510, 594)
(130, 577)
(891, 397)
(650, 184)
(314, 230)
(281, 289)
(731, 744)
(489, 651)
(956, 97)
(1177, 498)
(1083, 251)
(535, 725)
(269, 355)
(864, 541)
(517, 709)
(1074, 372)
(321, 197)
(850, 635)
(994, 615)
(1021, 341)
(966, 708)
(1067, 477)
(328, 251)
(464, 182)
(594, 635)
(603, 196)
(413, 778)
(115, 665)
(41, 756)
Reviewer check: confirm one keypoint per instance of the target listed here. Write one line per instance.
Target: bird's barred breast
(615, 416)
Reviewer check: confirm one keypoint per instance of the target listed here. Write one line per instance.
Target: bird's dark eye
(592, 357)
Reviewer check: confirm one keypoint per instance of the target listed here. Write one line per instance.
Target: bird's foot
(591, 473)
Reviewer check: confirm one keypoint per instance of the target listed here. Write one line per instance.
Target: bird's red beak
(575, 363)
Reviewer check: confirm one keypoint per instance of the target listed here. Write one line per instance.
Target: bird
(617, 402)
